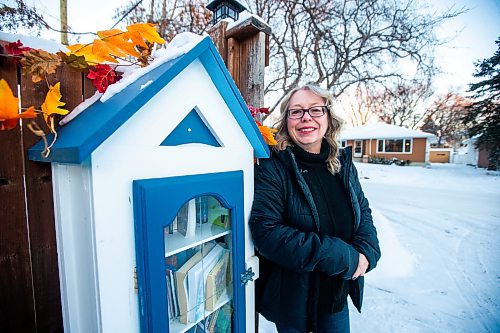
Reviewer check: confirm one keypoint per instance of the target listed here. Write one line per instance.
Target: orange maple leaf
(268, 134)
(86, 51)
(9, 108)
(52, 103)
(120, 40)
(136, 38)
(147, 31)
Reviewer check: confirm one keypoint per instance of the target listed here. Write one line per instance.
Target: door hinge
(247, 276)
(136, 284)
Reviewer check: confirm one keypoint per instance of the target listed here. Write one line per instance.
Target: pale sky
(475, 31)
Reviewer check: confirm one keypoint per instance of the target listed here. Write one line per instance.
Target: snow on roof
(179, 45)
(382, 131)
(34, 42)
(81, 136)
(472, 139)
(244, 16)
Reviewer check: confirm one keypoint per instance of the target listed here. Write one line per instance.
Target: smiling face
(307, 132)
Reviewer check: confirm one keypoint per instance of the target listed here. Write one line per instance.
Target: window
(357, 146)
(343, 143)
(394, 145)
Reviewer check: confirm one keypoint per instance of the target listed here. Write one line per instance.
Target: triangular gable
(80, 137)
(192, 129)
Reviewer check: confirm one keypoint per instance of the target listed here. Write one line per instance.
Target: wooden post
(63, 6)
(218, 35)
(245, 50)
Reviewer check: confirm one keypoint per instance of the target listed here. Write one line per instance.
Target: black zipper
(305, 189)
(348, 162)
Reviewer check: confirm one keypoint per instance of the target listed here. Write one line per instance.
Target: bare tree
(402, 103)
(171, 17)
(12, 18)
(362, 104)
(339, 43)
(444, 118)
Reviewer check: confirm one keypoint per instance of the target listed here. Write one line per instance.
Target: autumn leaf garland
(101, 57)
(123, 48)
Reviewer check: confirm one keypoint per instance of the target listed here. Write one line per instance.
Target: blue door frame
(156, 203)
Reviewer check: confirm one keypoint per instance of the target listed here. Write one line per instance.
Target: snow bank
(444, 176)
(396, 260)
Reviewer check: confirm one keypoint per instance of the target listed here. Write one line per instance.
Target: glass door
(190, 253)
(198, 267)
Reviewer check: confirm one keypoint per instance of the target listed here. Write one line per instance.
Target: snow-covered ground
(439, 232)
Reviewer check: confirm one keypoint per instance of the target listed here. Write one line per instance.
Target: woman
(310, 221)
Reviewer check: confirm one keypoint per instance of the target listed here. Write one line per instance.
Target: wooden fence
(30, 299)
(29, 280)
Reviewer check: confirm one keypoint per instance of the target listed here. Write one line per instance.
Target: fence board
(17, 305)
(40, 207)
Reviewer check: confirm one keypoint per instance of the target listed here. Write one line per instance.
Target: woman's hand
(362, 267)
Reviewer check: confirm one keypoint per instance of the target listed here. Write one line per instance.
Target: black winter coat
(284, 224)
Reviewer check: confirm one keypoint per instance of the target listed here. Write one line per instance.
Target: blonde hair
(334, 125)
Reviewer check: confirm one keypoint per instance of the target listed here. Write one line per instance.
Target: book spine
(191, 222)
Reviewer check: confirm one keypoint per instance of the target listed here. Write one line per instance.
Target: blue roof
(80, 137)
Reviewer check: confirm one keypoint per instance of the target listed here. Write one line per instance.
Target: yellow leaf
(147, 31)
(119, 39)
(86, 51)
(52, 103)
(268, 134)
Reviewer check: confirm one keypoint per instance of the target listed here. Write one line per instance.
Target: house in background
(387, 141)
(471, 155)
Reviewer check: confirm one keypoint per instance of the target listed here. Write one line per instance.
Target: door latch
(247, 276)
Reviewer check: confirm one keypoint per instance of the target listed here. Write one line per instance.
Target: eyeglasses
(314, 112)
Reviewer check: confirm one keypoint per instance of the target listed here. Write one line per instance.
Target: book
(186, 219)
(182, 219)
(224, 319)
(197, 275)
(173, 303)
(223, 221)
(202, 209)
(216, 283)
(215, 213)
(181, 280)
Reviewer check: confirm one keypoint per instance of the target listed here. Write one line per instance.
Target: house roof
(80, 137)
(382, 131)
